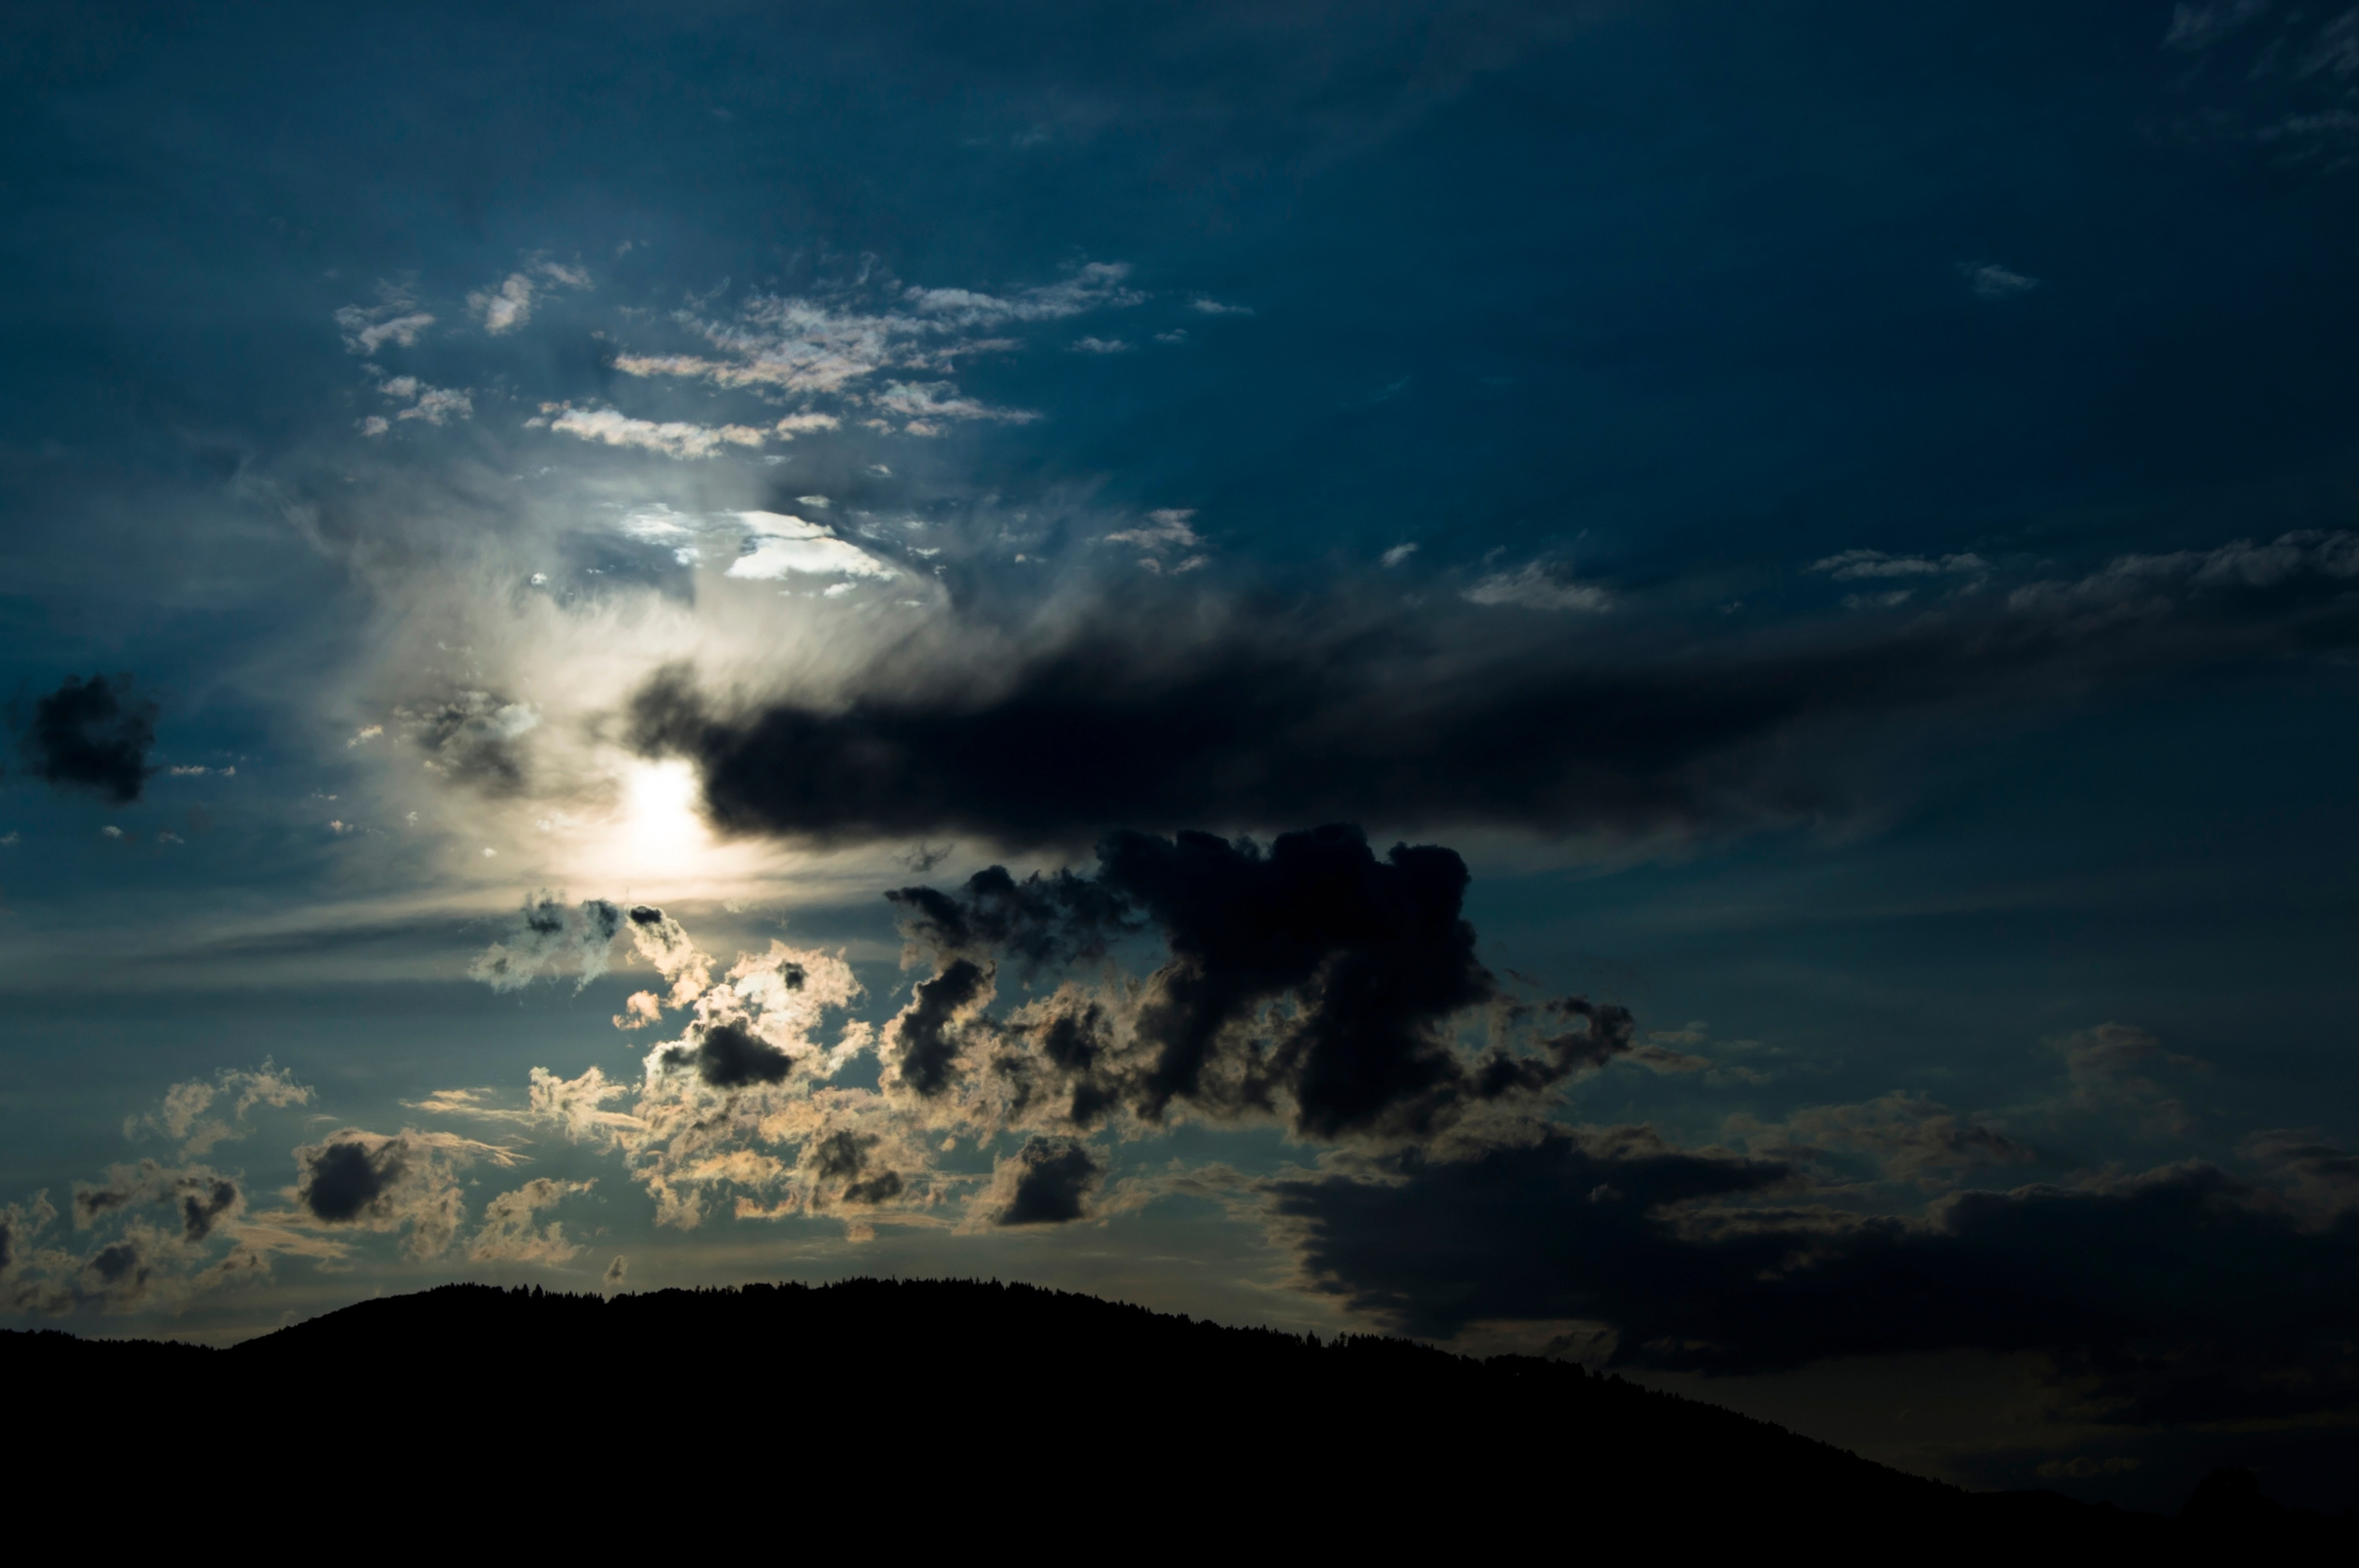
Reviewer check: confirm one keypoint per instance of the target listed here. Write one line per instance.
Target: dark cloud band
(1154, 722)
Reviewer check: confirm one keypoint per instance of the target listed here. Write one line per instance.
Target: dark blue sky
(1838, 517)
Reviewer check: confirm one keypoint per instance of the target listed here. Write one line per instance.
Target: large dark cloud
(1157, 722)
(1052, 1179)
(344, 1180)
(2185, 1293)
(732, 1056)
(925, 1042)
(1310, 977)
(92, 734)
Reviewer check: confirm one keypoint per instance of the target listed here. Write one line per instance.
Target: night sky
(1669, 683)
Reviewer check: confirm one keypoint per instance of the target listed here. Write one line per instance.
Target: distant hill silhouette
(1005, 1405)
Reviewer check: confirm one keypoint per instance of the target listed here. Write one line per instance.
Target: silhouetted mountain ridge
(908, 1393)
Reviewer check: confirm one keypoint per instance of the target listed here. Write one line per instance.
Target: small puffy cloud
(1210, 307)
(183, 1117)
(1100, 345)
(795, 425)
(365, 734)
(505, 308)
(673, 438)
(1398, 554)
(1990, 281)
(1854, 566)
(780, 546)
(640, 1009)
(616, 1272)
(1540, 585)
(1178, 335)
(509, 1235)
(374, 424)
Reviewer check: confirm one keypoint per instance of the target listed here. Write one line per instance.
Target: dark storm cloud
(1047, 1182)
(1371, 956)
(2176, 1290)
(732, 1056)
(924, 1040)
(345, 1180)
(1155, 723)
(91, 734)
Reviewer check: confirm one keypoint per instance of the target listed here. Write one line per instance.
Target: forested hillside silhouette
(1036, 1406)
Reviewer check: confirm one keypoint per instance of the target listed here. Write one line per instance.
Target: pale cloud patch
(1169, 533)
(395, 319)
(185, 1116)
(507, 1232)
(924, 402)
(780, 546)
(1096, 286)
(1540, 585)
(2140, 585)
(438, 404)
(802, 345)
(509, 304)
(1397, 554)
(673, 438)
(2112, 1070)
(1990, 281)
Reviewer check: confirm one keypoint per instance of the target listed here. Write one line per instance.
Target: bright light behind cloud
(661, 827)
